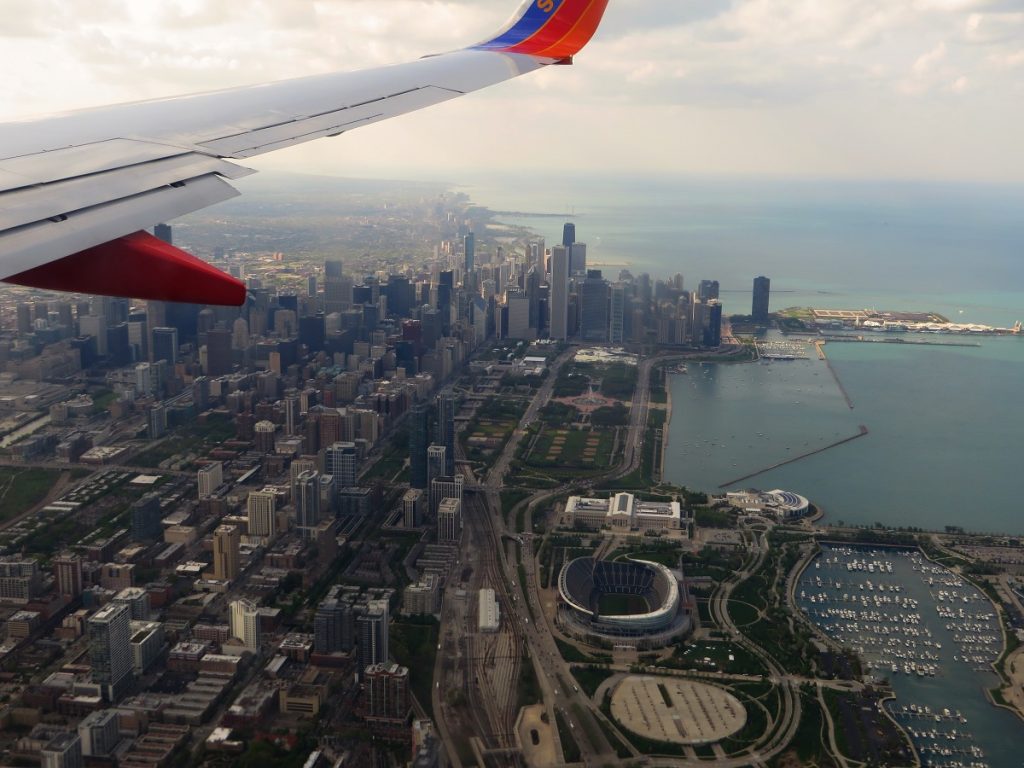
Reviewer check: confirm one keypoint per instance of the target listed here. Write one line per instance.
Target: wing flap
(28, 205)
(71, 161)
(34, 244)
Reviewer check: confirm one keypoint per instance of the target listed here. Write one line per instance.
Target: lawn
(22, 489)
(622, 605)
(572, 448)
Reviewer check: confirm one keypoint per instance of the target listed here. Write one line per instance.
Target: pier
(820, 346)
(862, 431)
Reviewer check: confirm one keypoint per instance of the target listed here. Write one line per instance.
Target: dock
(820, 346)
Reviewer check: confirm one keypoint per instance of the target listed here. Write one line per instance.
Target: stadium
(636, 603)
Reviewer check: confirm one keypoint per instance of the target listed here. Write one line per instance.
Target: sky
(864, 89)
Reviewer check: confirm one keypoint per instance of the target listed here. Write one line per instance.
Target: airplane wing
(78, 189)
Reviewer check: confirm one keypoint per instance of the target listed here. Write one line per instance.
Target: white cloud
(843, 87)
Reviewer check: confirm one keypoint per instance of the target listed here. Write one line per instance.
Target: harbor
(931, 635)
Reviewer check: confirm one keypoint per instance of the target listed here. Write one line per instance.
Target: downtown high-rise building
(332, 630)
(469, 248)
(227, 540)
(449, 521)
(578, 259)
(593, 294)
(165, 345)
(568, 234)
(209, 479)
(245, 623)
(436, 462)
(713, 324)
(262, 510)
(387, 685)
(616, 313)
(307, 504)
(146, 518)
(67, 571)
(341, 460)
(219, 357)
(337, 287)
(372, 630)
(446, 406)
(64, 750)
(762, 295)
(559, 299)
(110, 650)
(707, 290)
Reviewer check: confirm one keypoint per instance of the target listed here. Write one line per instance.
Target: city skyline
(758, 87)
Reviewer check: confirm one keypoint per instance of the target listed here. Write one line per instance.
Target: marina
(931, 635)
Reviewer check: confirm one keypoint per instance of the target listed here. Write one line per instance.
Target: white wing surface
(77, 189)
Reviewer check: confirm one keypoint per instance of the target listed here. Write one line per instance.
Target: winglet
(137, 265)
(555, 29)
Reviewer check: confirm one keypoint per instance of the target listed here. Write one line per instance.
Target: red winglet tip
(138, 266)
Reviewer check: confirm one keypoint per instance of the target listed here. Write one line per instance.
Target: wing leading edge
(77, 189)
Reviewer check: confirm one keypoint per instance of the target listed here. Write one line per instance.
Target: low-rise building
(623, 511)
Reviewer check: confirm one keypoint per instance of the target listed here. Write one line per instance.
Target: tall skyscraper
(64, 750)
(99, 732)
(419, 431)
(594, 307)
(446, 406)
(412, 507)
(713, 327)
(559, 293)
(262, 510)
(578, 259)
(617, 313)
(337, 288)
(762, 293)
(307, 503)
(226, 542)
(342, 461)
(110, 650)
(707, 290)
(388, 689)
(210, 478)
(373, 635)
(263, 432)
(67, 569)
(449, 520)
(165, 345)
(24, 318)
(329, 626)
(245, 623)
(218, 352)
(568, 234)
(445, 488)
(436, 462)
(469, 244)
(146, 517)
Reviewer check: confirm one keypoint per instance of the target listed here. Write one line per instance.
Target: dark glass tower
(446, 428)
(762, 292)
(568, 234)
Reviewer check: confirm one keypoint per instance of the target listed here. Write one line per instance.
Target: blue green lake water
(944, 431)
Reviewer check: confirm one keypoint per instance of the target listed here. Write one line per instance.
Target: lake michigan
(944, 423)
